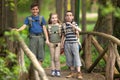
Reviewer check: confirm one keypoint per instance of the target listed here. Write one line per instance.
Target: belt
(70, 42)
(36, 34)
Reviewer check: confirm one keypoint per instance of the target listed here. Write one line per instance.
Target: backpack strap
(60, 30)
(49, 29)
(40, 20)
(64, 28)
(31, 20)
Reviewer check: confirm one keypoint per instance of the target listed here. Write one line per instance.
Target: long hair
(49, 20)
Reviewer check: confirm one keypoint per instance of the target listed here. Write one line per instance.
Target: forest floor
(64, 73)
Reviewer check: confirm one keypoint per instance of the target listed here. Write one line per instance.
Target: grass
(89, 27)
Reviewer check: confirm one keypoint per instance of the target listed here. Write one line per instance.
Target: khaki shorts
(37, 46)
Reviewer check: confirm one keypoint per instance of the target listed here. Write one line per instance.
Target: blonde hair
(49, 20)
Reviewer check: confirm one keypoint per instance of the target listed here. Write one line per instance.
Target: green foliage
(62, 59)
(10, 4)
(47, 60)
(11, 34)
(117, 13)
(108, 8)
(95, 54)
(64, 68)
(9, 70)
(23, 5)
(47, 7)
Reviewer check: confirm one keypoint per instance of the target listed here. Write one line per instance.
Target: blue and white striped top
(70, 33)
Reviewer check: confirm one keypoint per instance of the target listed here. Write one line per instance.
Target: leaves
(108, 8)
(7, 72)
(117, 12)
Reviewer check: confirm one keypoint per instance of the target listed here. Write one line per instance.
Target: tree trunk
(8, 20)
(1, 16)
(65, 6)
(73, 6)
(76, 10)
(39, 3)
(104, 22)
(8, 15)
(116, 27)
(59, 7)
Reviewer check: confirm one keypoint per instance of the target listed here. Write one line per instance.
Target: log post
(110, 63)
(88, 59)
(23, 75)
(117, 56)
(100, 50)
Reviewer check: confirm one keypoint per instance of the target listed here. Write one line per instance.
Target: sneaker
(79, 76)
(53, 73)
(72, 74)
(58, 73)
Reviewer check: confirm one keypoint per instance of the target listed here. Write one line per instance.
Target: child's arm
(46, 34)
(62, 41)
(77, 28)
(21, 28)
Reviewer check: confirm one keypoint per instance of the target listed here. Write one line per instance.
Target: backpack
(31, 20)
(54, 32)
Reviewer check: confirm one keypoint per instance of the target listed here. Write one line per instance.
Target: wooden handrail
(108, 36)
(31, 56)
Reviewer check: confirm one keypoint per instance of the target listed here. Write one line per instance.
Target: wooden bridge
(109, 54)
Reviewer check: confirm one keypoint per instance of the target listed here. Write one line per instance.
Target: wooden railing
(31, 56)
(110, 54)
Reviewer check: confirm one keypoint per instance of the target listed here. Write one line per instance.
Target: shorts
(72, 54)
(37, 46)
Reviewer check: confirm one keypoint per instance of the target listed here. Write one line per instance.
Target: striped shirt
(70, 33)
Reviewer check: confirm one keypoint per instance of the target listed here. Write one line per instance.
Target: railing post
(88, 59)
(111, 62)
(23, 75)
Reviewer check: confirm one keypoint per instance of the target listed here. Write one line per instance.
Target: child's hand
(15, 29)
(47, 42)
(68, 23)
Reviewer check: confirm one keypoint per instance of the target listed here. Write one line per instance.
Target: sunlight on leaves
(107, 9)
(117, 12)
(22, 1)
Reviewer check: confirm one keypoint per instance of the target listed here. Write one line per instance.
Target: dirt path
(86, 76)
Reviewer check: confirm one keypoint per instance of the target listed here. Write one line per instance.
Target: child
(54, 33)
(71, 47)
(36, 32)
